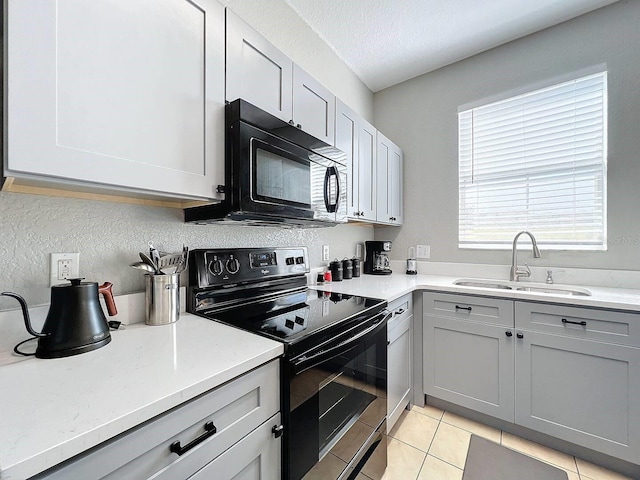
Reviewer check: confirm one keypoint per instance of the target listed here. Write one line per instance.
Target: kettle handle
(25, 313)
(106, 290)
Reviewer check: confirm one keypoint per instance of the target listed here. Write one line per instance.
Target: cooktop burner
(264, 291)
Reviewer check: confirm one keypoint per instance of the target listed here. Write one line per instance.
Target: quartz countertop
(390, 287)
(54, 409)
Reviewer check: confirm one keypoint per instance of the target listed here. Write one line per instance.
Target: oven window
(336, 408)
(281, 178)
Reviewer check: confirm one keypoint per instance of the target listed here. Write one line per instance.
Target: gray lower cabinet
(569, 372)
(399, 358)
(255, 457)
(227, 430)
(582, 391)
(468, 360)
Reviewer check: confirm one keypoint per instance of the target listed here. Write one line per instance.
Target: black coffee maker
(376, 260)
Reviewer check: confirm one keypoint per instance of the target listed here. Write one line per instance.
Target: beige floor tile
(451, 444)
(562, 460)
(596, 472)
(415, 429)
(435, 469)
(351, 441)
(403, 461)
(472, 426)
(432, 412)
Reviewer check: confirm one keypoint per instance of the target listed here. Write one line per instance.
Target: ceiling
(386, 42)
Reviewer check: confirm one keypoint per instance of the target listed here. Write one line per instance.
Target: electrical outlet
(423, 251)
(358, 250)
(325, 253)
(63, 266)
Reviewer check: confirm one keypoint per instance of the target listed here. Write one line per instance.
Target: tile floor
(428, 443)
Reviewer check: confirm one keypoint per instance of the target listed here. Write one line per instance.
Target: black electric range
(333, 372)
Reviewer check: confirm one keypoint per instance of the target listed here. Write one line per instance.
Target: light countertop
(53, 409)
(390, 287)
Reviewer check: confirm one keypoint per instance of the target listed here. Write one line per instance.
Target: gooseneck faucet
(516, 273)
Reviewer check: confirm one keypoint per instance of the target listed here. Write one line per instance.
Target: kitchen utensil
(149, 261)
(142, 266)
(75, 323)
(185, 258)
(162, 294)
(170, 263)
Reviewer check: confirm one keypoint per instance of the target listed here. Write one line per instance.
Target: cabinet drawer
(402, 308)
(465, 307)
(235, 409)
(591, 324)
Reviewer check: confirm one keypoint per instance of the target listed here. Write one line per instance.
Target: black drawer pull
(210, 429)
(458, 307)
(508, 333)
(519, 335)
(583, 323)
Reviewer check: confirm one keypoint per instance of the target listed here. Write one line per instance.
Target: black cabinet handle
(519, 335)
(277, 430)
(583, 323)
(210, 429)
(458, 307)
(508, 333)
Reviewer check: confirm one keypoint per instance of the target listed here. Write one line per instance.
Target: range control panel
(219, 267)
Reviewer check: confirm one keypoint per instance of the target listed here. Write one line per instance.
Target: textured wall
(110, 235)
(421, 116)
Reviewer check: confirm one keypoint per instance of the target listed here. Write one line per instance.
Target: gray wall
(421, 116)
(109, 235)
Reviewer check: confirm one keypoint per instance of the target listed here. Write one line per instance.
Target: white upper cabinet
(314, 107)
(357, 138)
(116, 94)
(257, 71)
(262, 75)
(389, 181)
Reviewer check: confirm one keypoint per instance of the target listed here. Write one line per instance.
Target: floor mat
(488, 460)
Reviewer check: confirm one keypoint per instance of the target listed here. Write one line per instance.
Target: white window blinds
(536, 162)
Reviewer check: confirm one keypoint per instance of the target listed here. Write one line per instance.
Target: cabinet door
(117, 94)
(314, 107)
(470, 364)
(367, 171)
(255, 457)
(399, 354)
(346, 139)
(389, 181)
(257, 71)
(581, 391)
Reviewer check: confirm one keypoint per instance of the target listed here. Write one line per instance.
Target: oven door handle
(305, 362)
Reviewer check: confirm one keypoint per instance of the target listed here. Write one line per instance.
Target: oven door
(337, 403)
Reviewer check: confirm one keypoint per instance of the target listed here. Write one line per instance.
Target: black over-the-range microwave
(276, 174)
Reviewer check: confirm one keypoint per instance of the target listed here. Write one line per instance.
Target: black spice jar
(355, 265)
(336, 270)
(347, 269)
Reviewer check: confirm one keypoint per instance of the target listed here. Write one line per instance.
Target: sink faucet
(516, 272)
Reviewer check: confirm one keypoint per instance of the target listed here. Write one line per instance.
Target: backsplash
(110, 235)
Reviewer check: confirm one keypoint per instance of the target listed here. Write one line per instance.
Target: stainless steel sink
(482, 284)
(560, 290)
(522, 287)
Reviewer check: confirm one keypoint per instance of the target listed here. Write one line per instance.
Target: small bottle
(412, 265)
(327, 276)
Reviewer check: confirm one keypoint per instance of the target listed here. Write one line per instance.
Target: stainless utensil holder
(162, 295)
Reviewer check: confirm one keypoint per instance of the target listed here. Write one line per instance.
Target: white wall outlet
(423, 251)
(63, 266)
(325, 253)
(359, 250)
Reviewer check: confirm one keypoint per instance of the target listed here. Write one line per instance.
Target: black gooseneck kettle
(75, 323)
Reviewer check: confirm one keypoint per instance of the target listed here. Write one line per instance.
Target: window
(536, 162)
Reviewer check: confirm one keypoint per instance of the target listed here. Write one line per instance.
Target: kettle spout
(25, 313)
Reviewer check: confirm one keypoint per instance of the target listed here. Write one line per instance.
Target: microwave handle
(331, 171)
